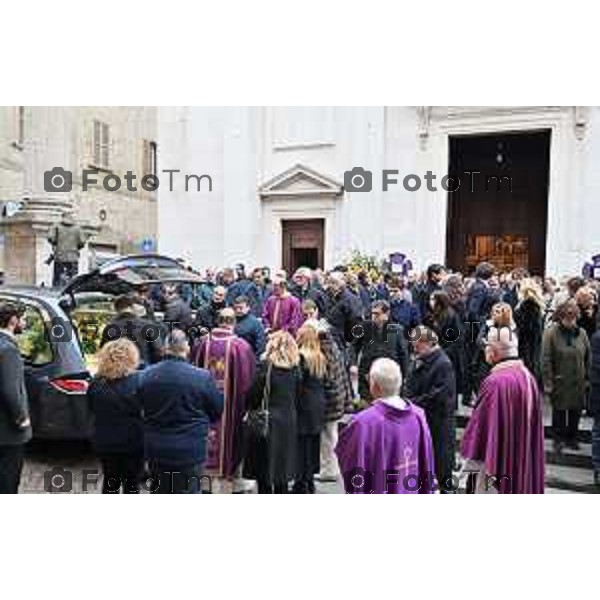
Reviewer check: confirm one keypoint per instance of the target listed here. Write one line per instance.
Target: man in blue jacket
(403, 310)
(249, 327)
(180, 401)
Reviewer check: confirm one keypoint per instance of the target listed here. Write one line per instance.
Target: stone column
(51, 141)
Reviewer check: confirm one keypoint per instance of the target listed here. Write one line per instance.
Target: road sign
(148, 245)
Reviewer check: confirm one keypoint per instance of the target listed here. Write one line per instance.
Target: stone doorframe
(567, 125)
(298, 193)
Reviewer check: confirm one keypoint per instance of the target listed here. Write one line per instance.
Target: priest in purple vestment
(504, 440)
(387, 448)
(282, 311)
(231, 361)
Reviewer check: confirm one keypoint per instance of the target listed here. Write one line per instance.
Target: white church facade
(275, 193)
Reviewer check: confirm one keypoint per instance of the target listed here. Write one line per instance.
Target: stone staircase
(571, 471)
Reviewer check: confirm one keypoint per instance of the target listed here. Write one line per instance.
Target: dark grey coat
(566, 361)
(432, 386)
(14, 407)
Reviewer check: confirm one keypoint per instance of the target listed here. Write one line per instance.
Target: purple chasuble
(231, 361)
(387, 450)
(283, 313)
(506, 430)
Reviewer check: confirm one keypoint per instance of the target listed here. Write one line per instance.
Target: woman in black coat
(447, 325)
(529, 320)
(271, 461)
(119, 429)
(311, 409)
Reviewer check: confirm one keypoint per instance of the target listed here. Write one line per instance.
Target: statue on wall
(67, 240)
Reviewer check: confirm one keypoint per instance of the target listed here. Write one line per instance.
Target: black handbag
(257, 419)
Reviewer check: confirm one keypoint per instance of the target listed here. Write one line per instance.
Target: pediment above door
(300, 181)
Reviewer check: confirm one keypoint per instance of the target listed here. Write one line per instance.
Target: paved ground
(81, 471)
(570, 473)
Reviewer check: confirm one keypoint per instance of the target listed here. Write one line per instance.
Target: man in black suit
(15, 426)
(480, 299)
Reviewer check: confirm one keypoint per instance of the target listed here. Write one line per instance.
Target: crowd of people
(248, 378)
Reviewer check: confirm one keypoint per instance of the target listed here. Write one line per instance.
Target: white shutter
(105, 145)
(101, 151)
(97, 160)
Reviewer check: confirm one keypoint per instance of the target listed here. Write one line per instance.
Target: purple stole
(277, 314)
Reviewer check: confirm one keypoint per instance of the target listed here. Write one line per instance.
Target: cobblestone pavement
(79, 461)
(76, 465)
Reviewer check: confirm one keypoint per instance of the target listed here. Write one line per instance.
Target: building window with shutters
(20, 129)
(150, 166)
(101, 141)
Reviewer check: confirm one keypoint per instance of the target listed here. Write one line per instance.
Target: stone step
(584, 436)
(581, 459)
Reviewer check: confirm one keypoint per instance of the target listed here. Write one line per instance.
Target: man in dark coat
(15, 426)
(303, 288)
(365, 292)
(379, 339)
(180, 402)
(145, 334)
(344, 310)
(480, 299)
(435, 275)
(595, 405)
(403, 311)
(432, 386)
(249, 327)
(239, 287)
(178, 314)
(258, 292)
(208, 316)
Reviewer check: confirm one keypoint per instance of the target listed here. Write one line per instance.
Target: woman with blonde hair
(311, 409)
(270, 460)
(119, 429)
(587, 302)
(501, 317)
(529, 319)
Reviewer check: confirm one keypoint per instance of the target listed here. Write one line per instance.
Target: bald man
(180, 403)
(387, 448)
(504, 440)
